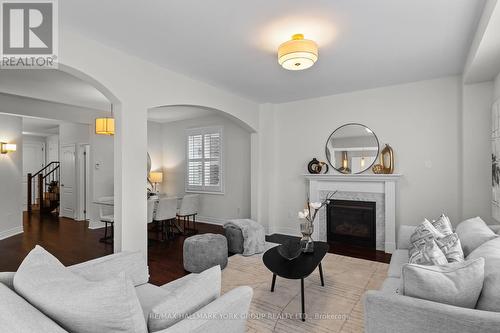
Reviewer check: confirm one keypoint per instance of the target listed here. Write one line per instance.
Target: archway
(227, 192)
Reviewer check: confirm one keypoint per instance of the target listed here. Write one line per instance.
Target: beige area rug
(336, 307)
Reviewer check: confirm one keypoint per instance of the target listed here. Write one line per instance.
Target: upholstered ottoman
(234, 239)
(204, 251)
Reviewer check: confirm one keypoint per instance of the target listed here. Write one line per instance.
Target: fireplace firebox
(352, 223)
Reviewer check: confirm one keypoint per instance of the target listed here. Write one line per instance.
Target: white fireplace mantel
(362, 183)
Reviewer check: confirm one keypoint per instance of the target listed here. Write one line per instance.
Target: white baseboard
(96, 224)
(11, 232)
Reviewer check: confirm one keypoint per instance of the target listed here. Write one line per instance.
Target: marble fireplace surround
(364, 187)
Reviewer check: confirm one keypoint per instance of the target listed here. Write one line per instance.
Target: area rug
(336, 307)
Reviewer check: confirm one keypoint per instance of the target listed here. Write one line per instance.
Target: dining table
(156, 198)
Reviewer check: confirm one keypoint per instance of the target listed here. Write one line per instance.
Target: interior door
(68, 181)
(33, 161)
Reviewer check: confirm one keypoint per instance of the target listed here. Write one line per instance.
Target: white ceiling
(232, 44)
(485, 56)
(52, 85)
(168, 114)
(40, 127)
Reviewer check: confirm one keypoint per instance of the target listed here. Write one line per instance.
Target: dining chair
(189, 209)
(166, 214)
(106, 215)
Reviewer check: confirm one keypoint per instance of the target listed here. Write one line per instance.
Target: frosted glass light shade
(297, 53)
(105, 126)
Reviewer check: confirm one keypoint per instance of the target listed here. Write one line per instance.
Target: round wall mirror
(352, 148)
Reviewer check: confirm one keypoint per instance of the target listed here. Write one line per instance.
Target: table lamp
(156, 177)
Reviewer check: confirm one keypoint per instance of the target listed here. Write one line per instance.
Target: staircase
(43, 189)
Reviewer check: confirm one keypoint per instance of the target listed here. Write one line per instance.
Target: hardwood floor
(72, 242)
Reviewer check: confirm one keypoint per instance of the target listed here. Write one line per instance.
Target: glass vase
(306, 242)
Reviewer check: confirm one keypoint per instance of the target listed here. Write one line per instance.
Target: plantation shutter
(204, 160)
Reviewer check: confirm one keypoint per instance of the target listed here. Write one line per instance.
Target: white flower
(306, 212)
(315, 205)
(302, 215)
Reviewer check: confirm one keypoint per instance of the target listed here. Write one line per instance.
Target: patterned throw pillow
(443, 225)
(451, 247)
(429, 253)
(416, 246)
(425, 231)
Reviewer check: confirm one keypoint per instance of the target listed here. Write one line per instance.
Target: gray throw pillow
(473, 233)
(201, 290)
(443, 225)
(75, 303)
(457, 284)
(490, 297)
(428, 253)
(425, 231)
(451, 247)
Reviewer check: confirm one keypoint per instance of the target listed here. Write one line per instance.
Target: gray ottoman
(234, 239)
(204, 251)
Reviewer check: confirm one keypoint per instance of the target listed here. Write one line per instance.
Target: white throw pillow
(78, 305)
(132, 264)
(457, 284)
(201, 290)
(473, 233)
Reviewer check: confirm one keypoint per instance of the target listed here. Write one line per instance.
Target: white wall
(155, 146)
(52, 148)
(476, 150)
(11, 166)
(419, 120)
(235, 202)
(101, 172)
(70, 133)
(496, 94)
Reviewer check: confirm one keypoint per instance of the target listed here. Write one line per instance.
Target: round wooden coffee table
(296, 269)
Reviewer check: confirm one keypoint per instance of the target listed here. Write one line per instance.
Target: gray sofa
(386, 311)
(226, 313)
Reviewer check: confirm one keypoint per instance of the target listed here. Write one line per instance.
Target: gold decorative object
(386, 165)
(388, 153)
(316, 167)
(378, 169)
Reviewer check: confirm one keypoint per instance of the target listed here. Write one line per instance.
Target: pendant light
(105, 125)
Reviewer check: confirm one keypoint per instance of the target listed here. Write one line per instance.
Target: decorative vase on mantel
(306, 242)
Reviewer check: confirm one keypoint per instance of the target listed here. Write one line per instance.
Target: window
(204, 160)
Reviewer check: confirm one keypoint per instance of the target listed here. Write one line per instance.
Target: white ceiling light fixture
(298, 53)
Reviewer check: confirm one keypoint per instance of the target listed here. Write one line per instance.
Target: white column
(130, 178)
(313, 197)
(390, 216)
(255, 210)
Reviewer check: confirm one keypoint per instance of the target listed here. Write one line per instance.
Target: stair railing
(40, 182)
